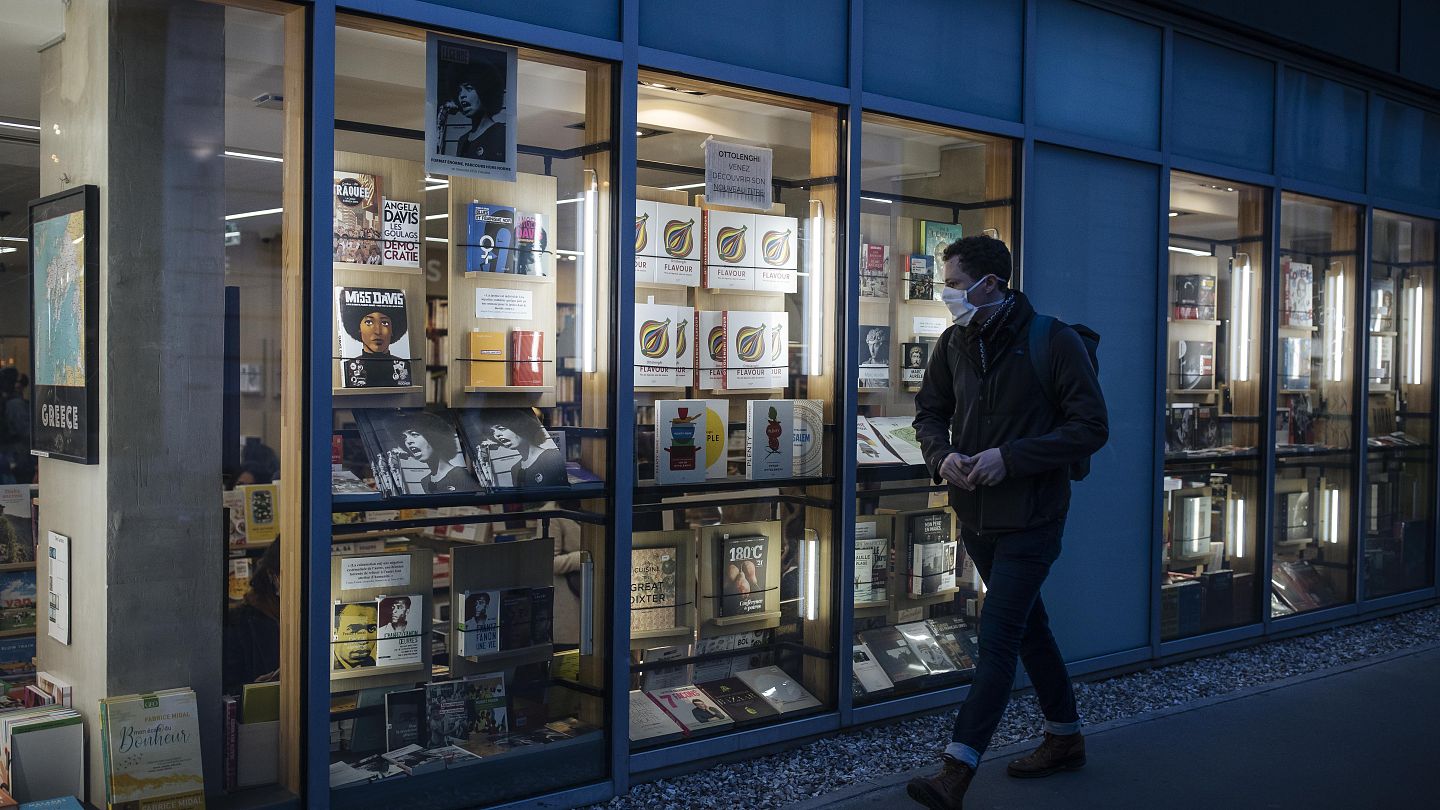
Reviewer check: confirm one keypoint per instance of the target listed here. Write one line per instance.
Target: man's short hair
(981, 256)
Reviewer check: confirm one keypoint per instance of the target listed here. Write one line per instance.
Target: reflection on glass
(1397, 523)
(1315, 405)
(923, 187)
(1215, 289)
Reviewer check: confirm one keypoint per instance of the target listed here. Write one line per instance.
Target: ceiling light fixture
(249, 214)
(235, 153)
(1191, 251)
(877, 199)
(437, 216)
(1174, 213)
(684, 186)
(13, 239)
(20, 125)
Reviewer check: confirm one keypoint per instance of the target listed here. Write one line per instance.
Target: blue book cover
(17, 657)
(490, 238)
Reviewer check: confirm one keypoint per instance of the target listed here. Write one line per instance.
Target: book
(920, 278)
(542, 615)
(532, 243)
(717, 438)
(889, 647)
(478, 627)
(454, 710)
(809, 434)
(353, 635)
(398, 638)
(60, 691)
(776, 687)
(757, 351)
(874, 271)
(932, 554)
(515, 617)
(166, 769)
(414, 760)
(867, 671)
(898, 433)
(729, 257)
(738, 700)
(864, 565)
(677, 246)
(400, 230)
(934, 237)
(874, 357)
(953, 636)
(356, 219)
(913, 359)
(17, 601)
(527, 355)
(1195, 360)
(508, 448)
(653, 591)
(17, 531)
(1382, 304)
(711, 339)
(489, 238)
(414, 452)
(777, 254)
(17, 657)
(649, 723)
(769, 439)
(869, 449)
(655, 337)
(486, 359)
(1295, 359)
(1192, 526)
(1297, 304)
(691, 709)
(743, 578)
(44, 754)
(404, 718)
(878, 551)
(1382, 362)
(262, 519)
(1297, 526)
(665, 677)
(1194, 298)
(372, 340)
(680, 441)
(922, 642)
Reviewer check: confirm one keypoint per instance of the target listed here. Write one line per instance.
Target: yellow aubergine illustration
(679, 238)
(642, 232)
(750, 343)
(775, 346)
(716, 343)
(681, 344)
(775, 248)
(730, 244)
(655, 339)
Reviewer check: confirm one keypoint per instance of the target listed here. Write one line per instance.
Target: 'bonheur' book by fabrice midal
(769, 439)
(151, 748)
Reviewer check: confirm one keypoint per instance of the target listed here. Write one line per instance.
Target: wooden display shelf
(1195, 321)
(348, 392)
(19, 566)
(22, 631)
(1300, 328)
(481, 274)
(509, 389)
(507, 659)
(379, 268)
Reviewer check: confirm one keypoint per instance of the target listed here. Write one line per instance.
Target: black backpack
(1042, 327)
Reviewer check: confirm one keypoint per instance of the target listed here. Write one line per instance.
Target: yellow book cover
(487, 359)
(152, 751)
(262, 521)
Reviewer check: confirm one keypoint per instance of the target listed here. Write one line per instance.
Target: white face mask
(958, 302)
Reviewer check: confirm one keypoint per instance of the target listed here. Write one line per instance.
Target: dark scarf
(989, 328)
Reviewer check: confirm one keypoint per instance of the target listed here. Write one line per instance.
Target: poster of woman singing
(470, 109)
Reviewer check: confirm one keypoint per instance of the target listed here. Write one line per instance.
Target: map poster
(64, 252)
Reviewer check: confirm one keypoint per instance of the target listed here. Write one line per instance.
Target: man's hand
(986, 469)
(953, 469)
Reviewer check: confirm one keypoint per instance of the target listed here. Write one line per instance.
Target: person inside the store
(252, 628)
(1005, 441)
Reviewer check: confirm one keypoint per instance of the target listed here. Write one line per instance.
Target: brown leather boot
(1056, 753)
(944, 790)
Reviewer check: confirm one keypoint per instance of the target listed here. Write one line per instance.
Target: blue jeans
(1013, 623)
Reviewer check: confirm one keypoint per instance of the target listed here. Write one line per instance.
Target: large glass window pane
(732, 590)
(471, 401)
(1398, 522)
(1315, 410)
(1213, 385)
(922, 188)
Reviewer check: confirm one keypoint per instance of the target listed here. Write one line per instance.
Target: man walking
(1004, 439)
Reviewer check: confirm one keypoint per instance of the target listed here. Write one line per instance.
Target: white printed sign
(512, 305)
(738, 174)
(391, 571)
(58, 606)
(926, 325)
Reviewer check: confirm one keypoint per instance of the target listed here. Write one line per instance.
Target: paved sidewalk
(1366, 735)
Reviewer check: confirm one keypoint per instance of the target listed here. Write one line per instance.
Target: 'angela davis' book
(743, 575)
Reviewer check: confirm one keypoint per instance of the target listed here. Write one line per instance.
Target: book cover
(17, 601)
(1298, 526)
(934, 237)
(777, 253)
(399, 641)
(1295, 359)
(869, 449)
(889, 647)
(729, 262)
(864, 565)
(356, 219)
(953, 636)
(868, 672)
(665, 677)
(515, 619)
(932, 554)
(744, 580)
(685, 357)
(925, 566)
(878, 550)
(874, 271)
(152, 750)
(809, 437)
(712, 342)
(1194, 298)
(532, 245)
(479, 625)
(680, 441)
(691, 708)
(17, 657)
(647, 216)
(650, 723)
(1382, 305)
(1382, 362)
(372, 340)
(401, 234)
(875, 357)
(414, 452)
(353, 635)
(922, 642)
(653, 591)
(777, 688)
(898, 433)
(542, 615)
(717, 438)
(920, 281)
(913, 359)
(527, 355)
(655, 329)
(1297, 286)
(738, 700)
(508, 448)
(489, 238)
(17, 531)
(414, 760)
(487, 359)
(455, 710)
(757, 349)
(404, 718)
(769, 439)
(262, 521)
(677, 247)
(1195, 360)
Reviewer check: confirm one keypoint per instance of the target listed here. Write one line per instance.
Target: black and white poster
(510, 449)
(414, 452)
(372, 337)
(470, 108)
(399, 632)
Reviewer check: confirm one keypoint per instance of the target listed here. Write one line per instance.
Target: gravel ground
(831, 763)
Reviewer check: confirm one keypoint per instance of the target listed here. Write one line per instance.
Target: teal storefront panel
(596, 18)
(1322, 131)
(1404, 152)
(1223, 105)
(807, 39)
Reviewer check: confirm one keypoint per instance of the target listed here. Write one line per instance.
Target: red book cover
(527, 350)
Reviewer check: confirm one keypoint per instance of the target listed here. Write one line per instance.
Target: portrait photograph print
(470, 109)
(510, 449)
(414, 452)
(399, 631)
(372, 337)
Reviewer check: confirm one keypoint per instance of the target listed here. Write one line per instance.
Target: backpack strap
(1041, 328)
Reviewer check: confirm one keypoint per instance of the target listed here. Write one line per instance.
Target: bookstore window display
(1315, 404)
(917, 597)
(1213, 388)
(735, 388)
(471, 336)
(1398, 521)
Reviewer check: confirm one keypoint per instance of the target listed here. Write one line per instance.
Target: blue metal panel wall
(597, 18)
(807, 39)
(1096, 73)
(1223, 105)
(1404, 152)
(1090, 248)
(1322, 131)
(963, 56)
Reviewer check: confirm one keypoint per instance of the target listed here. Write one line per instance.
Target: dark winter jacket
(959, 410)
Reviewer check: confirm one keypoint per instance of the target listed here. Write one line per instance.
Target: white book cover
(864, 566)
(769, 439)
(922, 642)
(778, 689)
(869, 449)
(401, 234)
(680, 441)
(647, 217)
(809, 438)
(878, 549)
(398, 641)
(729, 251)
(717, 430)
(691, 708)
(655, 345)
(868, 671)
(684, 358)
(648, 721)
(777, 253)
(153, 750)
(757, 349)
(711, 337)
(678, 249)
(898, 433)
(478, 623)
